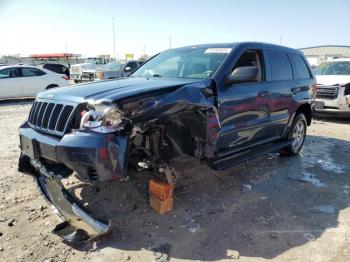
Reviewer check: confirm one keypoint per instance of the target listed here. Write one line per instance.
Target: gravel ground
(284, 209)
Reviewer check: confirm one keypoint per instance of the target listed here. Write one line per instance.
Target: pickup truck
(113, 70)
(218, 103)
(91, 63)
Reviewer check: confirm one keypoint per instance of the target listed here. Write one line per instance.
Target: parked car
(76, 71)
(115, 70)
(333, 88)
(218, 103)
(57, 68)
(27, 81)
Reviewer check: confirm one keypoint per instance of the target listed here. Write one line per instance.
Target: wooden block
(161, 206)
(160, 189)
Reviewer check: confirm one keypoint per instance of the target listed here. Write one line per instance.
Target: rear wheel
(296, 136)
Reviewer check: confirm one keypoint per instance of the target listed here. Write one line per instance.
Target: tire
(51, 86)
(296, 135)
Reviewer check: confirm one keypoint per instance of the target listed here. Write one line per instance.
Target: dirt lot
(285, 209)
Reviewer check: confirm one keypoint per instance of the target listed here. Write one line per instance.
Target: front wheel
(296, 136)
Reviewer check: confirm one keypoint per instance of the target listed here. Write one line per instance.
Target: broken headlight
(106, 119)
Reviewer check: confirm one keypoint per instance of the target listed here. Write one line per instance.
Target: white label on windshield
(218, 50)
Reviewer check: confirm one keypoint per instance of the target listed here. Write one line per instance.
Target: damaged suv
(333, 88)
(218, 103)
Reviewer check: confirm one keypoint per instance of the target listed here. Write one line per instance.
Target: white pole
(114, 39)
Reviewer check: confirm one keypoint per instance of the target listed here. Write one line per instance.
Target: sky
(86, 27)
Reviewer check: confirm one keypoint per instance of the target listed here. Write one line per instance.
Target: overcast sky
(86, 27)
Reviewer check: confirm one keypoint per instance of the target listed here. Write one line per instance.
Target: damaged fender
(190, 118)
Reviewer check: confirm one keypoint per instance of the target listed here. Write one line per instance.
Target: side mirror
(127, 69)
(243, 74)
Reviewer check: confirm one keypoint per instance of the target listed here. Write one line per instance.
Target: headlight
(106, 119)
(100, 75)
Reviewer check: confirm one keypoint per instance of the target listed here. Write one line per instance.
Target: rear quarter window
(280, 65)
(301, 69)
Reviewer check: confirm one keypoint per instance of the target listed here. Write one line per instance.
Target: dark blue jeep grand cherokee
(219, 103)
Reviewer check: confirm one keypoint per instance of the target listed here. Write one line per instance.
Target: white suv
(28, 81)
(333, 88)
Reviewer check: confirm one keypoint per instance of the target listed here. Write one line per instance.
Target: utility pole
(170, 41)
(114, 39)
(280, 40)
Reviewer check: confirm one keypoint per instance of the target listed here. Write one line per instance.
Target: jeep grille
(328, 92)
(48, 117)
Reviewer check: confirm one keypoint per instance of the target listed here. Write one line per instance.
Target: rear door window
(30, 72)
(301, 69)
(280, 65)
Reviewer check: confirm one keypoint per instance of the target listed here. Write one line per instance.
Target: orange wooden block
(161, 206)
(160, 190)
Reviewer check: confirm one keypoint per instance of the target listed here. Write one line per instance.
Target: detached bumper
(78, 225)
(93, 156)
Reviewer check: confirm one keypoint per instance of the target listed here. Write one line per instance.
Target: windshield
(184, 63)
(333, 68)
(115, 66)
(90, 60)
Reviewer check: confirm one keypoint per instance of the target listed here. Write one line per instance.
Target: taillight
(65, 77)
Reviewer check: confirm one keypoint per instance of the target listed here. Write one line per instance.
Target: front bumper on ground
(78, 151)
(93, 156)
(78, 225)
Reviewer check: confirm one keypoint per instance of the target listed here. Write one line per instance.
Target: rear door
(10, 83)
(244, 106)
(34, 81)
(282, 87)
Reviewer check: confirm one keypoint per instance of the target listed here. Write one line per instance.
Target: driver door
(244, 105)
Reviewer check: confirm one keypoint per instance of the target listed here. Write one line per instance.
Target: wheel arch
(51, 86)
(306, 110)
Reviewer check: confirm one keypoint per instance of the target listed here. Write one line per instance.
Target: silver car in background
(117, 69)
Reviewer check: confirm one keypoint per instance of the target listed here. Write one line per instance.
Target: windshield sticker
(218, 50)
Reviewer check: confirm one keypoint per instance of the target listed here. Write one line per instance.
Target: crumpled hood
(111, 90)
(331, 80)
